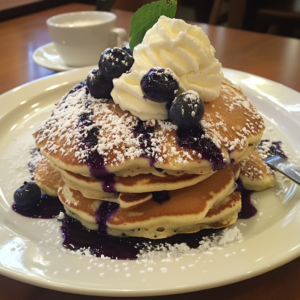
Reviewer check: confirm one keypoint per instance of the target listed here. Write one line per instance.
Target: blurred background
(279, 17)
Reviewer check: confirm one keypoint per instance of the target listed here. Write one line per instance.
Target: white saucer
(47, 57)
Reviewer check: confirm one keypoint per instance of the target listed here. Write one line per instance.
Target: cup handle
(122, 36)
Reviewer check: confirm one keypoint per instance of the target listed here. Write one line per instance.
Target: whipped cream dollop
(174, 44)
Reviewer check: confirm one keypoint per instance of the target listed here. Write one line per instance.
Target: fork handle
(284, 166)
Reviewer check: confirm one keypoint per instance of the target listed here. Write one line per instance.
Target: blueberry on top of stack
(112, 64)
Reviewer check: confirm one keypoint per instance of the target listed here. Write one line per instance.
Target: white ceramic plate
(30, 249)
(48, 57)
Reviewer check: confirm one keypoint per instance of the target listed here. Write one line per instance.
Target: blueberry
(160, 85)
(128, 50)
(27, 195)
(114, 62)
(98, 86)
(187, 110)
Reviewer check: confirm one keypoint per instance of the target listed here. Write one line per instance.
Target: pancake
(222, 215)
(93, 137)
(255, 174)
(47, 178)
(183, 212)
(138, 184)
(49, 181)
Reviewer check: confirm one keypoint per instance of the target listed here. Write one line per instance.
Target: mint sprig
(147, 16)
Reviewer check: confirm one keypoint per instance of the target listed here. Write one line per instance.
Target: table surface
(272, 57)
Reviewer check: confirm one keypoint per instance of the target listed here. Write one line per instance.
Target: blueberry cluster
(161, 85)
(112, 64)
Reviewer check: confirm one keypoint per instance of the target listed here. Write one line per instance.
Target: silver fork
(284, 166)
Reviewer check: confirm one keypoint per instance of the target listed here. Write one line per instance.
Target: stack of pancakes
(150, 179)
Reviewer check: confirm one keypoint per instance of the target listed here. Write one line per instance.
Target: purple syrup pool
(192, 139)
(47, 208)
(77, 237)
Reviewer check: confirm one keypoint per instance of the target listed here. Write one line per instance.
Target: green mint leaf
(147, 16)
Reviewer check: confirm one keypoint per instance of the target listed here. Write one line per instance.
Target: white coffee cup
(80, 37)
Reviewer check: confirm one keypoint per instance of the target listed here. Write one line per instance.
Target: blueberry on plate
(98, 86)
(28, 195)
(114, 62)
(187, 110)
(160, 85)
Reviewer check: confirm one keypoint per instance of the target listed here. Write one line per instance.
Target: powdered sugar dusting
(251, 170)
(208, 244)
(216, 126)
(117, 140)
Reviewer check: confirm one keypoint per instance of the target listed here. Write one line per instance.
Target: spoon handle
(284, 166)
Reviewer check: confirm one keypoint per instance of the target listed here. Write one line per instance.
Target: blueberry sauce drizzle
(95, 161)
(105, 211)
(144, 133)
(248, 210)
(108, 183)
(192, 139)
(47, 208)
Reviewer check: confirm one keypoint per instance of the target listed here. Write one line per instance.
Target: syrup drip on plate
(248, 210)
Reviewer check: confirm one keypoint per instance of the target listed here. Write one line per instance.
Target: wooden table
(273, 57)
